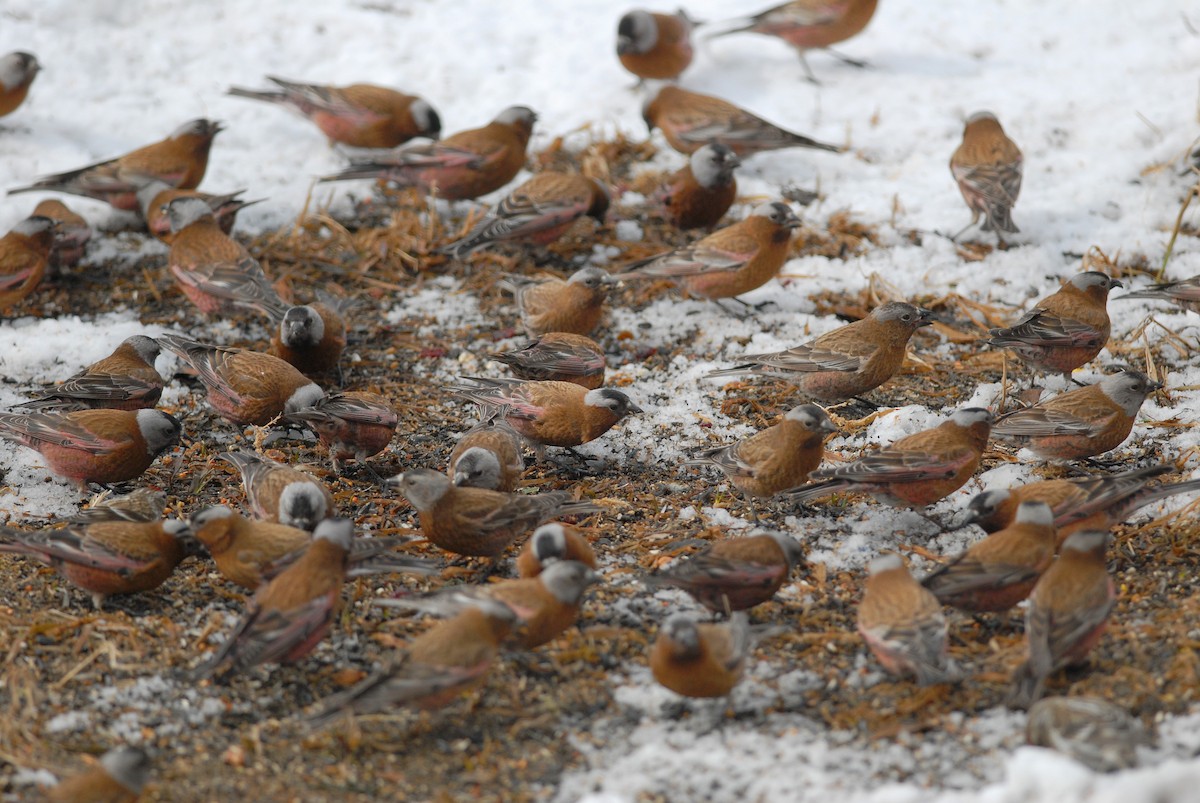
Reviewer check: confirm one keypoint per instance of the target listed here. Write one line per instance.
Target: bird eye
(906, 317)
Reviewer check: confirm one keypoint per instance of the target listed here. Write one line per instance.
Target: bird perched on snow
(689, 120)
(730, 261)
(17, 71)
(463, 166)
(811, 25)
(847, 362)
(71, 232)
(574, 305)
(655, 46)
(124, 380)
(1184, 292)
(180, 160)
(558, 357)
(987, 166)
(1096, 733)
(903, 624)
(355, 424)
(487, 456)
(312, 336)
(155, 195)
(24, 254)
(540, 210)
(358, 115)
(700, 660)
(916, 470)
(276, 492)
(119, 777)
(734, 574)
(1066, 329)
(551, 543)
(777, 458)
(699, 194)
(1080, 423)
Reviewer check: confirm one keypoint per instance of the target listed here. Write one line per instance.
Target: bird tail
(931, 674)
(1154, 291)
(999, 218)
(1026, 688)
(734, 371)
(267, 95)
(361, 170)
(815, 490)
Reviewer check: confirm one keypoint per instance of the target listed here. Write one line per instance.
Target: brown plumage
(987, 166)
(118, 778)
(699, 194)
(355, 424)
(311, 337)
(24, 255)
(17, 71)
(242, 548)
(276, 492)
(124, 380)
(573, 305)
(558, 357)
(554, 542)
(155, 196)
(71, 232)
(734, 574)
(700, 660)
(487, 456)
(655, 46)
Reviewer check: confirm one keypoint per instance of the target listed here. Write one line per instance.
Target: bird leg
(846, 59)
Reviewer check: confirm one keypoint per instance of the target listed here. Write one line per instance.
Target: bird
(987, 166)
(1098, 734)
(844, 363)
(733, 574)
(729, 262)
(312, 337)
(811, 25)
(180, 160)
(545, 605)
(1067, 614)
(558, 357)
(689, 120)
(358, 115)
(17, 71)
(549, 413)
(461, 167)
(437, 667)
(540, 210)
(106, 557)
(915, 471)
(699, 194)
(551, 543)
(903, 624)
(1184, 293)
(213, 270)
(475, 521)
(276, 492)
(119, 777)
(155, 195)
(574, 305)
(1080, 423)
(700, 660)
(1065, 330)
(245, 387)
(103, 446)
(71, 232)
(998, 572)
(354, 424)
(124, 380)
(139, 505)
(1093, 502)
(776, 459)
(487, 456)
(24, 255)
(655, 46)
(292, 612)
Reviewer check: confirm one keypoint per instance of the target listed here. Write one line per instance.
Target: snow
(1100, 96)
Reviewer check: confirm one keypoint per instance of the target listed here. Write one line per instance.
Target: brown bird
(312, 337)
(549, 413)
(107, 557)
(124, 380)
(655, 46)
(700, 660)
(1096, 733)
(916, 470)
(777, 458)
(355, 424)
(71, 232)
(1079, 503)
(358, 115)
(212, 269)
(540, 210)
(699, 194)
(1064, 330)
(558, 357)
(17, 71)
(573, 305)
(1080, 423)
(487, 456)
(292, 613)
(24, 255)
(551, 543)
(276, 492)
(103, 446)
(903, 624)
(476, 521)
(1068, 611)
(139, 505)
(1184, 293)
(730, 261)
(180, 160)
(998, 572)
(463, 166)
(735, 573)
(245, 387)
(689, 120)
(987, 166)
(119, 777)
(440, 665)
(242, 548)
(811, 25)
(155, 196)
(846, 362)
